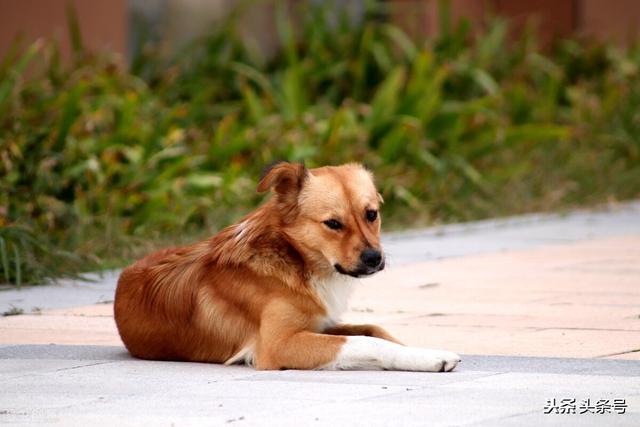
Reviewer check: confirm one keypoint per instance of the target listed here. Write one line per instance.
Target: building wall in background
(102, 23)
(617, 20)
(609, 20)
(109, 23)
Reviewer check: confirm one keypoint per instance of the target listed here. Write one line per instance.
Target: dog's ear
(283, 177)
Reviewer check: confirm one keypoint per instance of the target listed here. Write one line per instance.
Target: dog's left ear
(283, 177)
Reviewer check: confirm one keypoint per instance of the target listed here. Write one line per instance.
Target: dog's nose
(371, 257)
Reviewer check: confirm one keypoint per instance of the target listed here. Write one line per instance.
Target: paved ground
(546, 286)
(82, 386)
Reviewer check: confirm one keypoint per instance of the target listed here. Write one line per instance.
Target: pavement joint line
(35, 374)
(538, 328)
(619, 353)
(575, 328)
(86, 366)
(485, 374)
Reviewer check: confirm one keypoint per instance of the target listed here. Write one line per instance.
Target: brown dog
(269, 289)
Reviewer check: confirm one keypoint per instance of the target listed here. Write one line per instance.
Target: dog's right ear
(283, 177)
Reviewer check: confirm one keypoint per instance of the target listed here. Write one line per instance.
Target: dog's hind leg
(364, 330)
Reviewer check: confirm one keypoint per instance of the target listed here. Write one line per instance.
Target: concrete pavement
(564, 289)
(100, 385)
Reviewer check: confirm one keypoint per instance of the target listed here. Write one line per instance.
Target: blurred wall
(617, 20)
(120, 25)
(103, 24)
(610, 20)
(188, 19)
(174, 23)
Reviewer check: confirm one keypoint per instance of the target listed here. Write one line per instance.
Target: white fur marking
(241, 228)
(368, 353)
(334, 294)
(242, 357)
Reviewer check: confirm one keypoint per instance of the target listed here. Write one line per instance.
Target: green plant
(25, 258)
(13, 311)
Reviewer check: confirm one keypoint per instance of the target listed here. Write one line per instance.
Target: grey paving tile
(109, 390)
(552, 365)
(513, 233)
(64, 352)
(14, 368)
(381, 378)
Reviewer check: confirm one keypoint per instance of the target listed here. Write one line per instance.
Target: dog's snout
(371, 257)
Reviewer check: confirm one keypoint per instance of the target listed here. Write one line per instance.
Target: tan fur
(249, 289)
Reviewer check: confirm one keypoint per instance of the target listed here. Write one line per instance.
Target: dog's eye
(333, 224)
(371, 214)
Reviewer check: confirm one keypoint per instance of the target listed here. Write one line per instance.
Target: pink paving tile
(66, 336)
(48, 329)
(97, 310)
(578, 300)
(509, 341)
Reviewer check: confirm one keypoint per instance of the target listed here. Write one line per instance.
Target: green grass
(100, 163)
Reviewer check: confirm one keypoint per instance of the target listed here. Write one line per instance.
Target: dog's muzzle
(371, 261)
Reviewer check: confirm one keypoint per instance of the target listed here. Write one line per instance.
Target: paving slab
(573, 300)
(55, 329)
(514, 233)
(99, 385)
(495, 291)
(97, 289)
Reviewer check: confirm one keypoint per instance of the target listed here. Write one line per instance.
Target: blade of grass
(74, 29)
(8, 84)
(18, 265)
(5, 259)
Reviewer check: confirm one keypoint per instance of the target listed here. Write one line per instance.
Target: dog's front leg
(361, 352)
(309, 350)
(365, 330)
(286, 343)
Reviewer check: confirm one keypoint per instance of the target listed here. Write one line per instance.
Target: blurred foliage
(99, 163)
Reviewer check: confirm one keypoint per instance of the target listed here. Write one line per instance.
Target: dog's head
(330, 214)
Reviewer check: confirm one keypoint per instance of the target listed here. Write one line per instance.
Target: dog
(269, 290)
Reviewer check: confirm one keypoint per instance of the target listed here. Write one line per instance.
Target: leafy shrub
(105, 162)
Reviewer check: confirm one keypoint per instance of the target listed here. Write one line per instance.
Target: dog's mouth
(361, 271)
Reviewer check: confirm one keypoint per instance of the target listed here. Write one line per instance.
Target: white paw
(424, 360)
(360, 352)
(450, 360)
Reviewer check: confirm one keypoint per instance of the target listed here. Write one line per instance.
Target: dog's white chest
(334, 293)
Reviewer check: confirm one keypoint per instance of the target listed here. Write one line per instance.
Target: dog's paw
(424, 360)
(450, 360)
